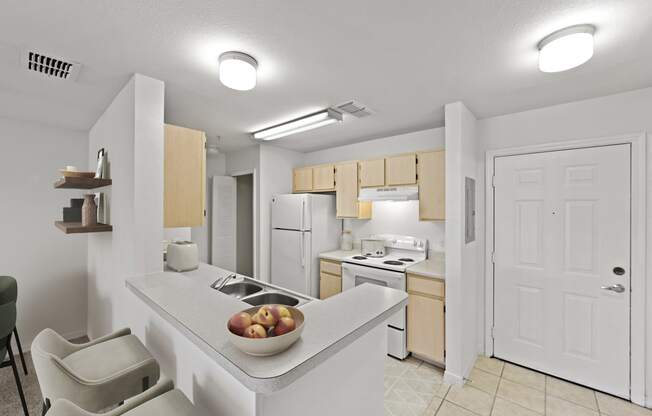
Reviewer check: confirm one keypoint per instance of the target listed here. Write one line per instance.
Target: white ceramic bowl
(272, 345)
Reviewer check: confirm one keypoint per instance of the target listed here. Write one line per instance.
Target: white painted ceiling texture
(404, 59)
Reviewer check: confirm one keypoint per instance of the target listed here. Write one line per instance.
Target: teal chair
(7, 325)
(9, 293)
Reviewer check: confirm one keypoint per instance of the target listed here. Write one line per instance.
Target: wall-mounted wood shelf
(77, 228)
(69, 182)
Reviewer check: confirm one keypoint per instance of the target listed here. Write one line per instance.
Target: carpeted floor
(9, 399)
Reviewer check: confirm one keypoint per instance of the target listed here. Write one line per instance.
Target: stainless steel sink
(256, 293)
(272, 297)
(241, 289)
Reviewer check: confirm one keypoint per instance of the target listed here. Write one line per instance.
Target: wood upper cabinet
(426, 334)
(372, 173)
(302, 180)
(432, 185)
(401, 170)
(184, 192)
(323, 178)
(346, 193)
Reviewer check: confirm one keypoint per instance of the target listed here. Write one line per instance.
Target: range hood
(389, 193)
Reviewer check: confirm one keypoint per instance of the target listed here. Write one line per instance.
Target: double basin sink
(257, 293)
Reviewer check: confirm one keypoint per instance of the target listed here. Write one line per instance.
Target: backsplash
(398, 217)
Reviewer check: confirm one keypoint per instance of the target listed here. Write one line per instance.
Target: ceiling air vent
(355, 109)
(50, 66)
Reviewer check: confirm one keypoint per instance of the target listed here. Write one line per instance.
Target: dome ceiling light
(238, 70)
(566, 48)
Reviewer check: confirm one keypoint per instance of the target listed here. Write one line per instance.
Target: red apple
(255, 331)
(284, 326)
(280, 311)
(239, 322)
(265, 317)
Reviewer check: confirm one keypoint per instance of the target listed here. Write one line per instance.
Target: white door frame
(254, 201)
(638, 246)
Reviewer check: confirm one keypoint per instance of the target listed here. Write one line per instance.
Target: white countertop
(433, 267)
(200, 313)
(339, 255)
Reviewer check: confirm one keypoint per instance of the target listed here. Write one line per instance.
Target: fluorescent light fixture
(298, 125)
(238, 70)
(566, 48)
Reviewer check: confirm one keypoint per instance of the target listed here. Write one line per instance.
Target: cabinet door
(401, 170)
(302, 179)
(329, 285)
(372, 173)
(346, 190)
(425, 326)
(184, 175)
(432, 185)
(323, 178)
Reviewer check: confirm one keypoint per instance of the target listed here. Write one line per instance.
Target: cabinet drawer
(330, 267)
(426, 286)
(329, 285)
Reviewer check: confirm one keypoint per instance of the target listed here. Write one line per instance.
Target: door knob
(614, 288)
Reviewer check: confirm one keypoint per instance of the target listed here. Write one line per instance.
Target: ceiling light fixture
(566, 48)
(238, 70)
(298, 125)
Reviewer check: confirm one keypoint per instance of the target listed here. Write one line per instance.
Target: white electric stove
(389, 271)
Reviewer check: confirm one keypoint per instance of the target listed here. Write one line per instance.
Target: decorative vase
(89, 211)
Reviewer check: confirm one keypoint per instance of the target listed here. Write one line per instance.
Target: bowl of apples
(265, 330)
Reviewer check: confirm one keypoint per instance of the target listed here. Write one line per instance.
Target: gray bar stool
(160, 400)
(95, 375)
(9, 293)
(7, 324)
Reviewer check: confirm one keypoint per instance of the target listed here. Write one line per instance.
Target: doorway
(245, 224)
(562, 262)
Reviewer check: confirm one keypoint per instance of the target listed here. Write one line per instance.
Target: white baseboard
(453, 379)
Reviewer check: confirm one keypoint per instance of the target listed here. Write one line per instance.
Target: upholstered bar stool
(160, 400)
(95, 375)
(7, 325)
(9, 293)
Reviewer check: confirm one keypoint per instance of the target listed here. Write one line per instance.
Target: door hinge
(493, 181)
(493, 257)
(493, 332)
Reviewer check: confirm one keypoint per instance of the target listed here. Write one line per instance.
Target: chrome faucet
(220, 283)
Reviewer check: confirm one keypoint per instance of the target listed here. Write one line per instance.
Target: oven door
(354, 275)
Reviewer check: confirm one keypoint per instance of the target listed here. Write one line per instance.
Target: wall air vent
(355, 109)
(50, 66)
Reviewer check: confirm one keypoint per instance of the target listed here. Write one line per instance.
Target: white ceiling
(404, 59)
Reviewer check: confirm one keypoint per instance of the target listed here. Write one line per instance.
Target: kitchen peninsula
(342, 347)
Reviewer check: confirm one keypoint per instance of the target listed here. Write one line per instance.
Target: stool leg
(20, 351)
(16, 376)
(46, 406)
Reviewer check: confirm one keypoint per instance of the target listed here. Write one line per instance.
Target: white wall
(618, 114)
(389, 217)
(215, 166)
(275, 178)
(410, 142)
(131, 130)
(463, 260)
(50, 266)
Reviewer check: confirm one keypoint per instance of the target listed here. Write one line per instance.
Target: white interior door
(224, 222)
(562, 243)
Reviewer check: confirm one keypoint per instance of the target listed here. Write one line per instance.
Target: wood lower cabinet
(346, 193)
(184, 191)
(426, 335)
(302, 180)
(432, 185)
(401, 170)
(330, 278)
(323, 178)
(372, 173)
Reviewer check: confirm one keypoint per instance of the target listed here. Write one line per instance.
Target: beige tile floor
(494, 388)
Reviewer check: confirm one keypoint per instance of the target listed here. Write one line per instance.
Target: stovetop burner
(393, 262)
(359, 258)
(406, 259)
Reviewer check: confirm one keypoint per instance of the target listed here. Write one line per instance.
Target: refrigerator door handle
(303, 215)
(303, 250)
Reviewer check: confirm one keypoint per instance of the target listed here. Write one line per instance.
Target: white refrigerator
(303, 225)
